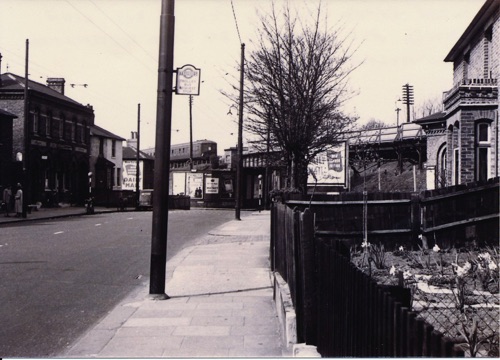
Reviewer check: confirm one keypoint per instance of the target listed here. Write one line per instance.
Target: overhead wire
(236, 22)
(122, 30)
(109, 36)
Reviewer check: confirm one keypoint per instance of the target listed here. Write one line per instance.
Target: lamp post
(398, 109)
(137, 157)
(162, 151)
(239, 169)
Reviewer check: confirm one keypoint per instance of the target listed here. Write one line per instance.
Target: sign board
(188, 80)
(130, 174)
(194, 185)
(179, 183)
(211, 185)
(329, 167)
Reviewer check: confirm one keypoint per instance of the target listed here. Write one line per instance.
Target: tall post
(137, 156)
(190, 132)
(408, 99)
(266, 179)
(27, 141)
(162, 150)
(239, 168)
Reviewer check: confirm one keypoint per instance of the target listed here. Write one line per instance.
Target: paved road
(58, 277)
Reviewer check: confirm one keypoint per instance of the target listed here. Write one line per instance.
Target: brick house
(6, 120)
(463, 140)
(50, 144)
(106, 158)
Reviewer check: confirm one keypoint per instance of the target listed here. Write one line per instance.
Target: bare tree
(429, 107)
(296, 84)
(374, 124)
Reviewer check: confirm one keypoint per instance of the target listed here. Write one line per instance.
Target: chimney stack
(132, 142)
(56, 84)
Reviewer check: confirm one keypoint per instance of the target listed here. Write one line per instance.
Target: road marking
(98, 224)
(58, 232)
(130, 218)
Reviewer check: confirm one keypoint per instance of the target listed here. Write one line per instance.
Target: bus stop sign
(188, 80)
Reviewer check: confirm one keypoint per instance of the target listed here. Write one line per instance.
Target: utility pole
(190, 132)
(162, 151)
(407, 99)
(137, 159)
(239, 167)
(26, 179)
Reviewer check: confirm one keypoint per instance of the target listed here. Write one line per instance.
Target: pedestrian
(18, 207)
(7, 199)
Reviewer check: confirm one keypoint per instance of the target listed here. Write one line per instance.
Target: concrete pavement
(221, 303)
(221, 300)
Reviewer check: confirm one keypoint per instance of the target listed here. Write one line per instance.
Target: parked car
(145, 199)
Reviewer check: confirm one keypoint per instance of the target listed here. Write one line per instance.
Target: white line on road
(58, 232)
(98, 224)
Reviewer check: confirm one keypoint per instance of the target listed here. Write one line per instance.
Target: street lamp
(398, 109)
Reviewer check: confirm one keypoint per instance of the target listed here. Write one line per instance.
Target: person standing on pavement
(18, 207)
(7, 199)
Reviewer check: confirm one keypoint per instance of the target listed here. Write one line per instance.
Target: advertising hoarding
(330, 167)
(130, 174)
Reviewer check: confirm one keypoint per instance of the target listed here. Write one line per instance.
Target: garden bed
(455, 291)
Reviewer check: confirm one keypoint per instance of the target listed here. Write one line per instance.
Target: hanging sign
(188, 80)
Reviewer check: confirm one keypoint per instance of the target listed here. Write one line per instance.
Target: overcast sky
(112, 46)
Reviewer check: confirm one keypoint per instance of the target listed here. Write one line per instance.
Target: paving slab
(221, 303)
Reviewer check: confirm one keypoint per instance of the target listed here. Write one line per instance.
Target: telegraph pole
(25, 162)
(239, 167)
(190, 132)
(407, 99)
(162, 151)
(137, 169)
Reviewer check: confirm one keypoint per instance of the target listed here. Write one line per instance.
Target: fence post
(415, 218)
(419, 337)
(273, 236)
(295, 276)
(307, 278)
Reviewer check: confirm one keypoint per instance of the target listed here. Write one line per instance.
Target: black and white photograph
(249, 178)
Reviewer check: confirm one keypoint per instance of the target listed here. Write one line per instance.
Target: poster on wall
(194, 185)
(211, 185)
(329, 167)
(130, 174)
(179, 183)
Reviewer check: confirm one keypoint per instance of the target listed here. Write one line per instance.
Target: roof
(99, 131)
(478, 24)
(441, 115)
(15, 82)
(129, 153)
(7, 114)
(103, 162)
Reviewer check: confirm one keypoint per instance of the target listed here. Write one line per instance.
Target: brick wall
(16, 107)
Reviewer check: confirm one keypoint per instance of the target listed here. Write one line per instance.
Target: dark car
(145, 199)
